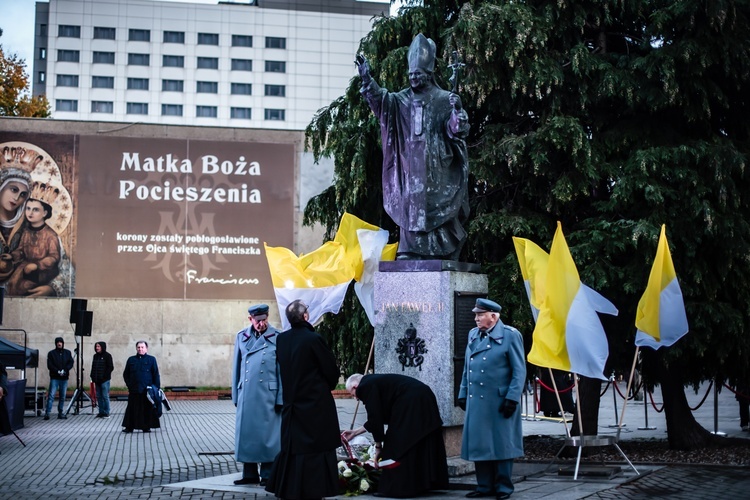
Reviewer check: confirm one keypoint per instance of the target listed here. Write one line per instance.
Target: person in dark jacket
(415, 432)
(306, 465)
(101, 375)
(59, 364)
(4, 417)
(141, 372)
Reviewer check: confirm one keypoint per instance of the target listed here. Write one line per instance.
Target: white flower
(347, 472)
(341, 465)
(364, 485)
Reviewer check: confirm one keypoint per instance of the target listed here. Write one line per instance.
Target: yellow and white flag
(533, 261)
(568, 334)
(366, 245)
(321, 278)
(660, 318)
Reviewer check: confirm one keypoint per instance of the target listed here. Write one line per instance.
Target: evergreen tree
(612, 117)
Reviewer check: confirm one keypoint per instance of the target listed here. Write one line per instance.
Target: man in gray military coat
(256, 392)
(491, 387)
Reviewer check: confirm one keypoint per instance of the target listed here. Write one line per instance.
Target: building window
(67, 31)
(104, 57)
(276, 66)
(42, 77)
(101, 33)
(242, 41)
(138, 59)
(274, 42)
(242, 65)
(174, 37)
(241, 88)
(43, 53)
(66, 105)
(242, 113)
(172, 85)
(171, 109)
(137, 83)
(135, 35)
(274, 114)
(68, 55)
(208, 62)
(67, 80)
(102, 107)
(173, 61)
(206, 111)
(208, 39)
(276, 90)
(207, 88)
(43, 30)
(137, 108)
(103, 82)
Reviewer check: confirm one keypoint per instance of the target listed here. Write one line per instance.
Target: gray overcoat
(494, 369)
(256, 390)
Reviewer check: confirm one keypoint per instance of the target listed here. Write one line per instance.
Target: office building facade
(267, 64)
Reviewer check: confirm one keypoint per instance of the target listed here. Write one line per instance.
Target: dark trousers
(250, 470)
(493, 476)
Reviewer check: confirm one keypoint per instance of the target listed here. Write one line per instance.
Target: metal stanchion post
(716, 431)
(645, 412)
(614, 397)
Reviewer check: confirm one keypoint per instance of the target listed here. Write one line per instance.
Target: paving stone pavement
(191, 456)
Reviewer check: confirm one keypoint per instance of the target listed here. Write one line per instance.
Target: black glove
(462, 404)
(277, 408)
(508, 407)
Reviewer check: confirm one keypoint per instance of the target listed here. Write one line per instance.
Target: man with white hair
(491, 387)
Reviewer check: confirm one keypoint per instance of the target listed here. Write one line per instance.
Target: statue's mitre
(422, 54)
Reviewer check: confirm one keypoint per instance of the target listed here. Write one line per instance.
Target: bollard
(645, 412)
(614, 396)
(716, 431)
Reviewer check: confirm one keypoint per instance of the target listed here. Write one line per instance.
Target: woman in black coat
(415, 432)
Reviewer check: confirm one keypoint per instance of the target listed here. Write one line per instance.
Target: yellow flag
(660, 318)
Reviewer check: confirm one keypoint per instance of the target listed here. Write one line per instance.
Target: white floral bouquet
(357, 472)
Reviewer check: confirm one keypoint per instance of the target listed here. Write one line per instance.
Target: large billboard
(142, 217)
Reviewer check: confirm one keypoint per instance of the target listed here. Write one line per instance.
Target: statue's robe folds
(425, 169)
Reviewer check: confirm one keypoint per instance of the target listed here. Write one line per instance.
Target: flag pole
(367, 367)
(627, 392)
(559, 401)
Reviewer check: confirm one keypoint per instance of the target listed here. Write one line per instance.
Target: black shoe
(263, 482)
(501, 496)
(62, 417)
(46, 416)
(146, 430)
(247, 480)
(128, 431)
(478, 494)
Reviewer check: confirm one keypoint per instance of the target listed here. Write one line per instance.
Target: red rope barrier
(704, 397)
(651, 397)
(735, 392)
(550, 389)
(622, 395)
(605, 389)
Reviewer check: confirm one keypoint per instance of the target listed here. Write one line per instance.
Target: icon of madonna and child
(35, 209)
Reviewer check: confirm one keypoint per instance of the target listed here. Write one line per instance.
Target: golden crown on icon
(44, 192)
(25, 158)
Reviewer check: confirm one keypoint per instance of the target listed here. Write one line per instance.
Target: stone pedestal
(423, 316)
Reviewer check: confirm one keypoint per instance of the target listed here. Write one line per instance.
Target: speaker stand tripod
(79, 396)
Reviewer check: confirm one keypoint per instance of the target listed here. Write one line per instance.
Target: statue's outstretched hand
(363, 68)
(455, 101)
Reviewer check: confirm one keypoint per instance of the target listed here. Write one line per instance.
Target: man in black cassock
(415, 432)
(305, 467)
